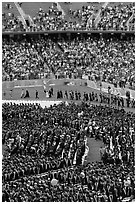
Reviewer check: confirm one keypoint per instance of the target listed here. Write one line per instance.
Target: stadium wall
(21, 83)
(66, 31)
(41, 82)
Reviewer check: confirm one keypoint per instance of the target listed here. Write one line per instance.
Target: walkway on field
(94, 150)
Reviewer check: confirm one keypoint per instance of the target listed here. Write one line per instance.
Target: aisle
(94, 147)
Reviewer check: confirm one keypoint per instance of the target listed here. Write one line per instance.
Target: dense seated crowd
(111, 18)
(94, 182)
(48, 138)
(45, 148)
(20, 59)
(115, 18)
(51, 20)
(106, 57)
(10, 22)
(111, 59)
(55, 20)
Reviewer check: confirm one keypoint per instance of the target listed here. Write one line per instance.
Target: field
(16, 92)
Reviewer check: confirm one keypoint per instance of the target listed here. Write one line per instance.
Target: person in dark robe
(66, 94)
(37, 94)
(27, 94)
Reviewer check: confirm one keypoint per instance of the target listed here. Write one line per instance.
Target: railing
(60, 9)
(89, 22)
(130, 19)
(98, 15)
(30, 19)
(66, 31)
(22, 14)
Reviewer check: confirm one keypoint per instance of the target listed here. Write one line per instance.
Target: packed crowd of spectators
(55, 20)
(111, 18)
(20, 59)
(51, 20)
(115, 18)
(108, 59)
(10, 22)
(45, 149)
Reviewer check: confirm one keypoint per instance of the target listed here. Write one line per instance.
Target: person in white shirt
(22, 93)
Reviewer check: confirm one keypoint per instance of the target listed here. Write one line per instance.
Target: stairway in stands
(112, 4)
(131, 22)
(60, 9)
(26, 19)
(98, 18)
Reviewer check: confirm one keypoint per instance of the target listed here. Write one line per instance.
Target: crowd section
(51, 20)
(108, 59)
(45, 147)
(10, 21)
(115, 18)
(20, 59)
(55, 20)
(99, 184)
(111, 18)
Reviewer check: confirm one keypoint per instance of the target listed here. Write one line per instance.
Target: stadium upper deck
(42, 16)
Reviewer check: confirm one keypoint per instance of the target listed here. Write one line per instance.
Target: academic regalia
(27, 94)
(37, 94)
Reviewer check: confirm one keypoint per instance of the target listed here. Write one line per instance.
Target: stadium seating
(67, 16)
(115, 17)
(108, 59)
(11, 20)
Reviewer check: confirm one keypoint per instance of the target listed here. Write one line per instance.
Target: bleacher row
(110, 59)
(42, 16)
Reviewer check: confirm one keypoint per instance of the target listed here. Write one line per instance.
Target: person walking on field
(4, 94)
(44, 87)
(37, 94)
(22, 93)
(27, 94)
(11, 93)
